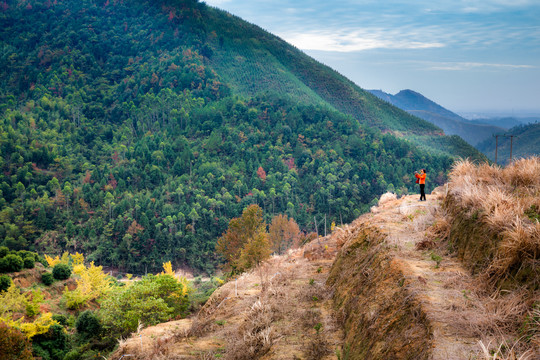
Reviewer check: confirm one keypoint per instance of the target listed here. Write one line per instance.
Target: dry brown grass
(505, 351)
(493, 214)
(317, 348)
(498, 199)
(255, 337)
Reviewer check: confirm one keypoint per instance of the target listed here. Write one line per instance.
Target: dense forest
(125, 137)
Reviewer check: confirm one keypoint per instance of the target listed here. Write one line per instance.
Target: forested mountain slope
(133, 131)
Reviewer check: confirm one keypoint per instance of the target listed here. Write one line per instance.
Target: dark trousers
(422, 192)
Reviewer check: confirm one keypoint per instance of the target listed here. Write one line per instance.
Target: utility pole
(511, 143)
(496, 146)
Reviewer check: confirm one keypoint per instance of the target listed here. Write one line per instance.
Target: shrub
(13, 344)
(72, 355)
(61, 319)
(61, 272)
(23, 253)
(41, 260)
(3, 251)
(151, 300)
(28, 262)
(47, 278)
(88, 324)
(12, 263)
(5, 282)
(51, 345)
(33, 305)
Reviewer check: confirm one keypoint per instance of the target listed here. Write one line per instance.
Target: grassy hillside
(495, 216)
(524, 144)
(256, 61)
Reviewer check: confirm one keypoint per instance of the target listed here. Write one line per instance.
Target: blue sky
(467, 55)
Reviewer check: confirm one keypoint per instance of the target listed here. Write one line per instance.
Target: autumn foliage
(245, 243)
(13, 344)
(284, 233)
(261, 173)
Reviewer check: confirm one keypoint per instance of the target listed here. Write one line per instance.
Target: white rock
(387, 197)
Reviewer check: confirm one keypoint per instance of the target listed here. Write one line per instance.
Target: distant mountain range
(506, 122)
(452, 124)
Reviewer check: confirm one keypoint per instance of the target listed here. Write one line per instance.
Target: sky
(470, 56)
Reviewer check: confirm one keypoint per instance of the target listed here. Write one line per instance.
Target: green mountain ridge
(133, 131)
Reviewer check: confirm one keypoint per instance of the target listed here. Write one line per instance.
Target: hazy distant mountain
(505, 122)
(452, 124)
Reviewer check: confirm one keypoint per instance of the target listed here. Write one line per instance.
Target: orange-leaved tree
(284, 233)
(255, 250)
(241, 231)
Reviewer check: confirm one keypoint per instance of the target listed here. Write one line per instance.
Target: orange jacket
(421, 178)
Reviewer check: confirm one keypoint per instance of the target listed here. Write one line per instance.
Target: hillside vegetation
(128, 133)
(493, 219)
(66, 309)
(454, 278)
(443, 279)
(281, 309)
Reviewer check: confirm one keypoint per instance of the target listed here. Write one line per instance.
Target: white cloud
(216, 3)
(465, 66)
(478, 6)
(357, 40)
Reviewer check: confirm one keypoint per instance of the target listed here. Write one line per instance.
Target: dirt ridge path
(457, 317)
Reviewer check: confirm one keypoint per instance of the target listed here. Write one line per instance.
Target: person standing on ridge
(421, 179)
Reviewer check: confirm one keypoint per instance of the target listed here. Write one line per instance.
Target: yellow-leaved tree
(255, 251)
(14, 302)
(185, 287)
(57, 260)
(52, 261)
(92, 283)
(167, 269)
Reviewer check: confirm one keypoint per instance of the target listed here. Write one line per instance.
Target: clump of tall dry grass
(504, 352)
(498, 199)
(256, 336)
